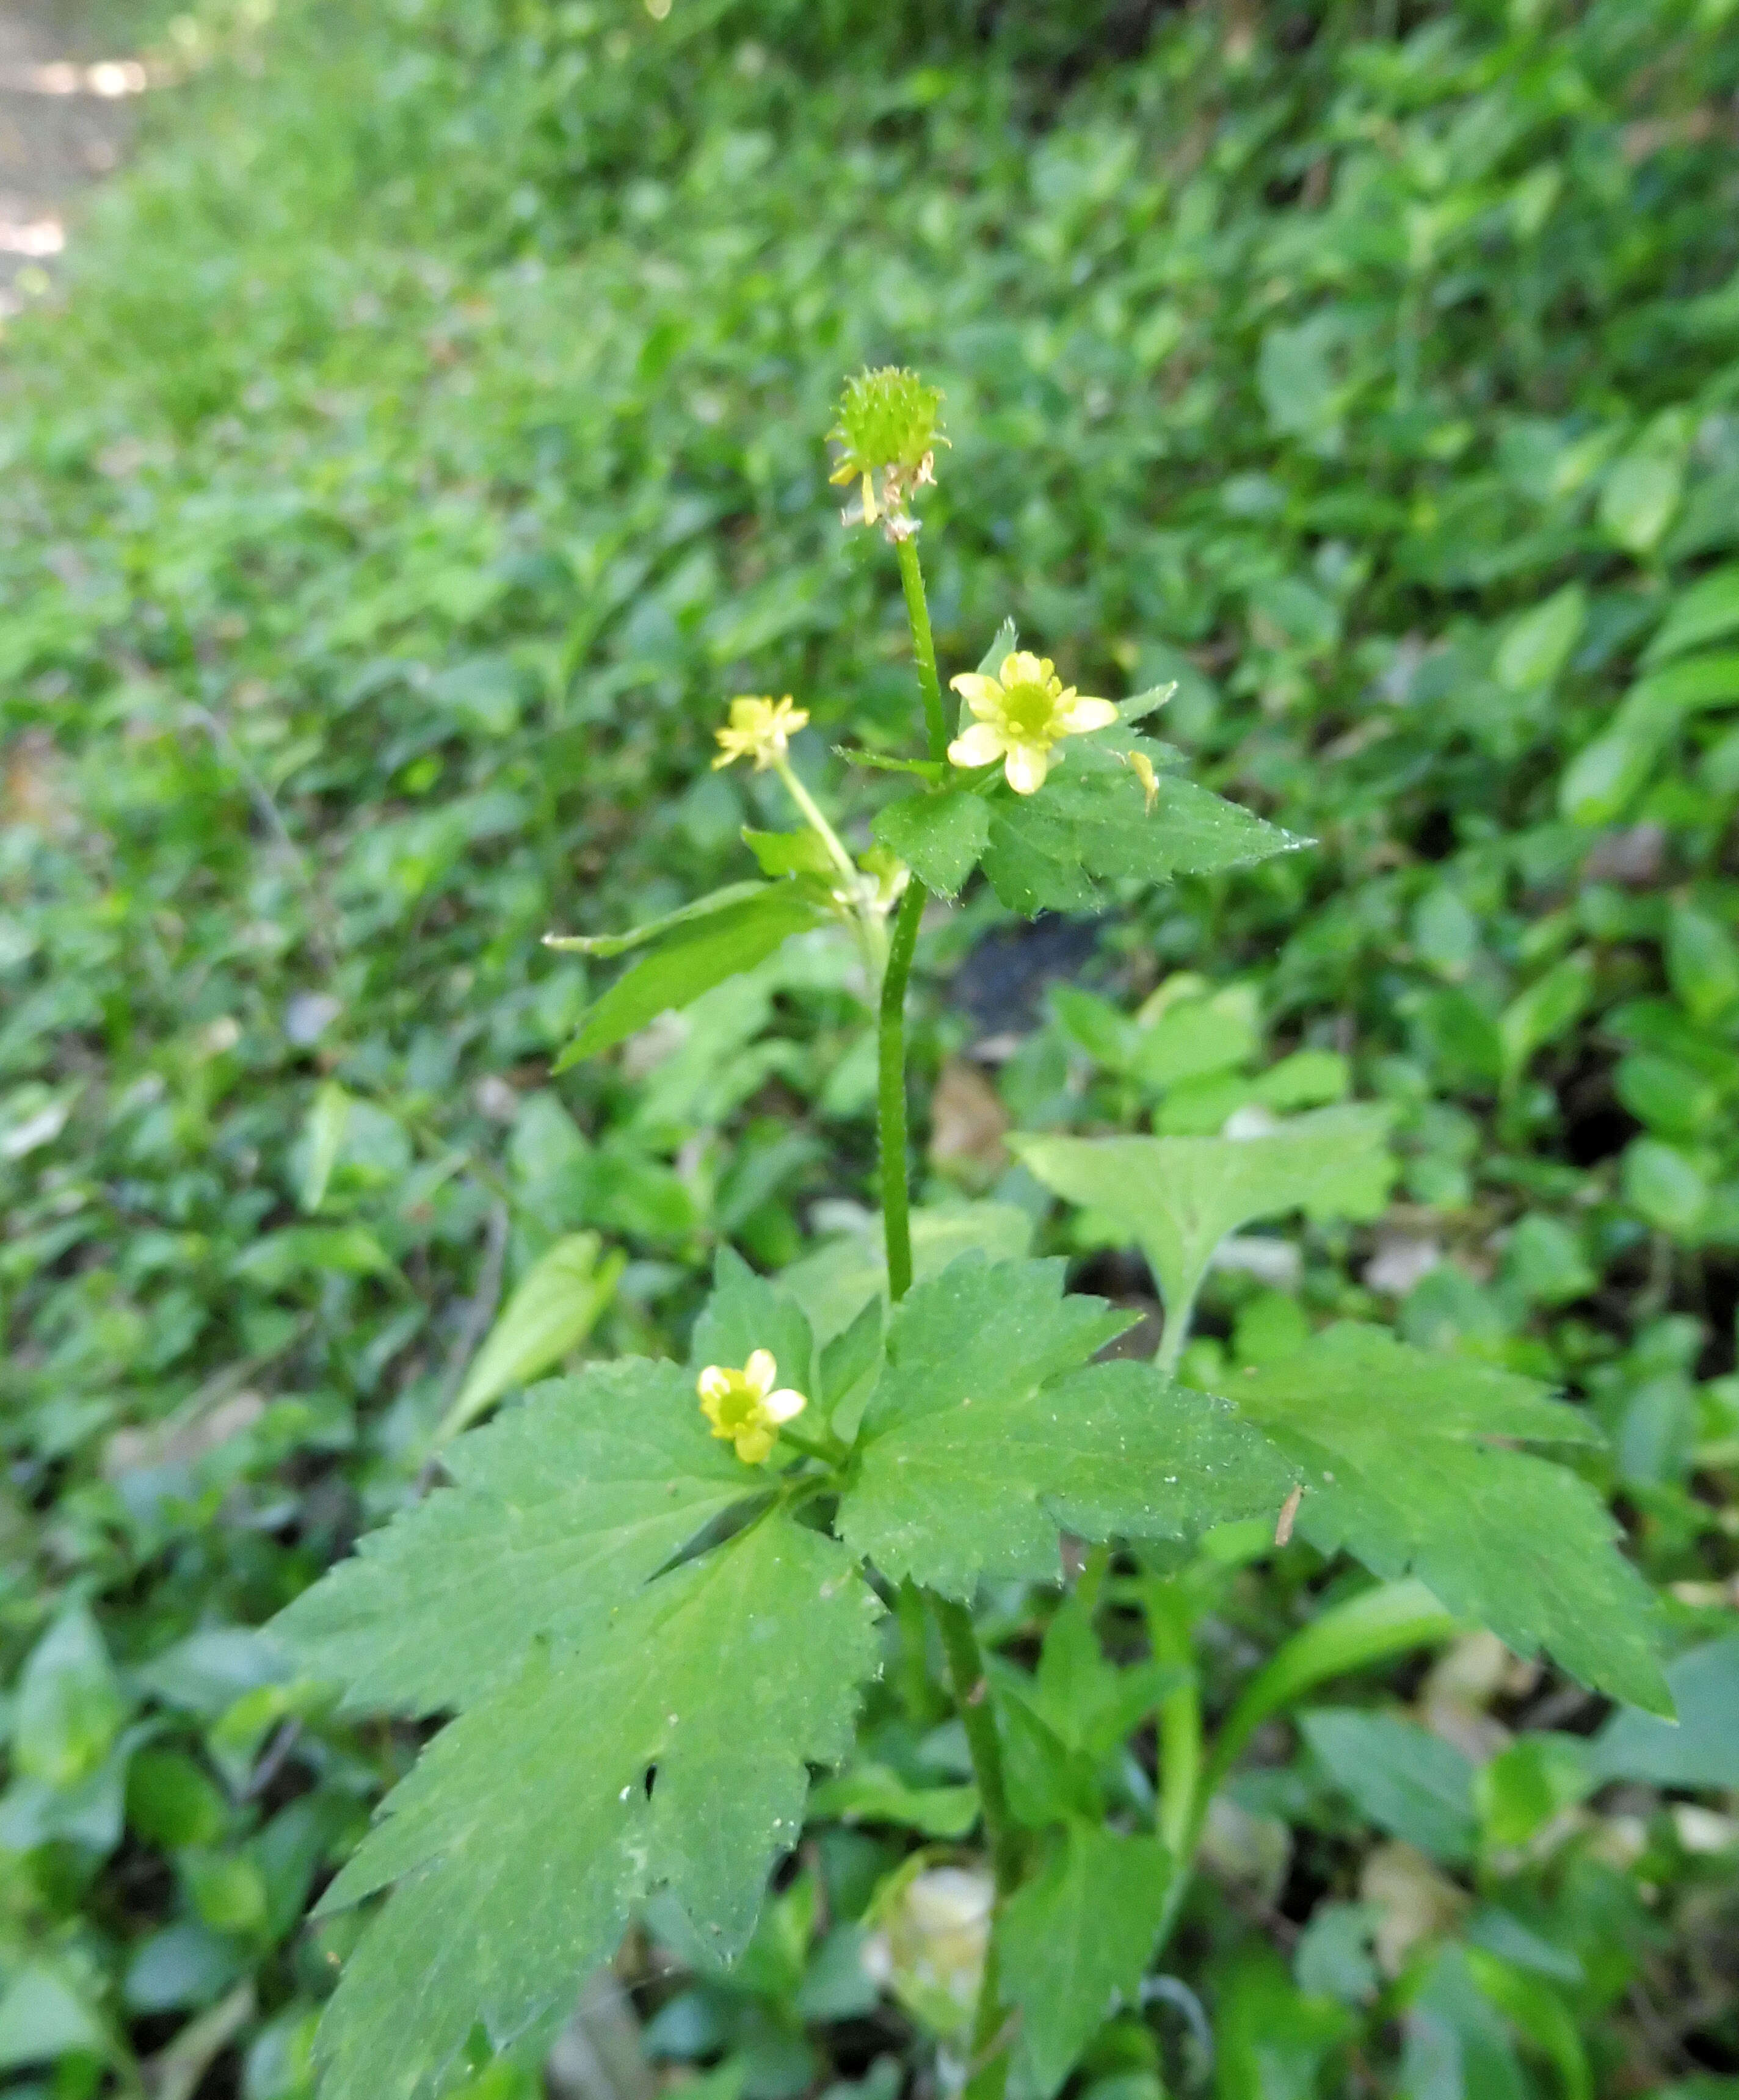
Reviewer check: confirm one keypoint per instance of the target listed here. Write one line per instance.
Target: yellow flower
(1022, 712)
(758, 729)
(745, 1409)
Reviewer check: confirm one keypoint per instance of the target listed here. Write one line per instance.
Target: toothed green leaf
(667, 1747)
(989, 1430)
(1092, 819)
(560, 1508)
(1076, 1935)
(938, 837)
(1404, 1461)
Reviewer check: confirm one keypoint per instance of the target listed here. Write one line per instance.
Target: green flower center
(739, 1408)
(1029, 711)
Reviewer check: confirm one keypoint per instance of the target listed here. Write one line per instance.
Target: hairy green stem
(987, 2069)
(1180, 1722)
(971, 1695)
(923, 647)
(890, 1090)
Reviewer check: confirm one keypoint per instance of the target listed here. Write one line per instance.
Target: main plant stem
(988, 2072)
(923, 647)
(890, 1090)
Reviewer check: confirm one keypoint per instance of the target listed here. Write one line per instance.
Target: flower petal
(755, 1444)
(760, 1371)
(982, 695)
(1083, 715)
(714, 1383)
(1023, 668)
(980, 745)
(1027, 766)
(785, 1404)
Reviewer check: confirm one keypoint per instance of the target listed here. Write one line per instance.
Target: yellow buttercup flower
(759, 729)
(1021, 714)
(744, 1407)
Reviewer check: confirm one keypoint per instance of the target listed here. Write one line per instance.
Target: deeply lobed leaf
(665, 1746)
(1179, 1196)
(560, 1510)
(989, 1430)
(1402, 1459)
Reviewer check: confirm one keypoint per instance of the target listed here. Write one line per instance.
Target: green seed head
(887, 419)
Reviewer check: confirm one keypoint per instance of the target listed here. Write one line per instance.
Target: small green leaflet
(552, 1311)
(322, 1138)
(1092, 819)
(1709, 610)
(561, 1509)
(1703, 1749)
(1399, 1776)
(788, 852)
(1079, 1932)
(692, 958)
(989, 1430)
(668, 1748)
(1179, 1196)
(873, 1793)
(1090, 1704)
(1400, 1458)
(939, 837)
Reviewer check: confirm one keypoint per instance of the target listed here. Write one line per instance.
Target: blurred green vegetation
(424, 442)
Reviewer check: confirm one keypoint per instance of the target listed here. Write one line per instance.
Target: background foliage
(428, 438)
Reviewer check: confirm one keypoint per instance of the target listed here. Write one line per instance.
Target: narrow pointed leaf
(553, 1311)
(606, 945)
(691, 960)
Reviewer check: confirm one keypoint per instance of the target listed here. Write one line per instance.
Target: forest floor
(65, 100)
